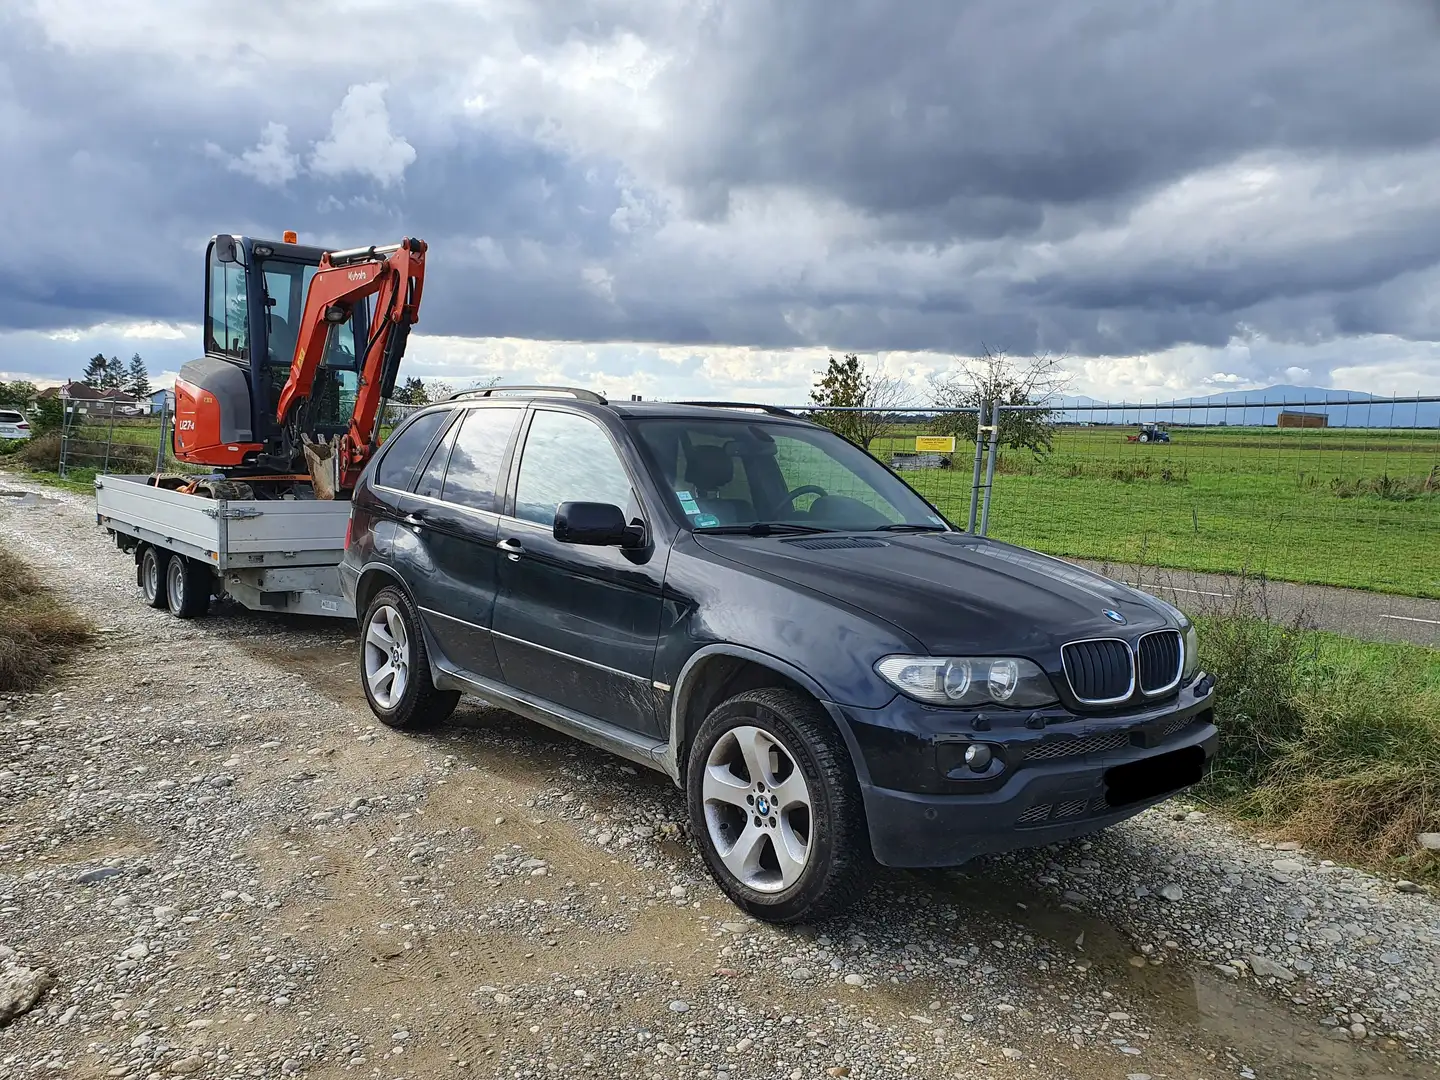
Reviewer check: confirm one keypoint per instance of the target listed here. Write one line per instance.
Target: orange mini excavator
(302, 347)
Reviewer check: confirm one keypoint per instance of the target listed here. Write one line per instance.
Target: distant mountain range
(1257, 408)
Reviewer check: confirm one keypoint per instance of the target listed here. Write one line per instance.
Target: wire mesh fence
(105, 435)
(1334, 504)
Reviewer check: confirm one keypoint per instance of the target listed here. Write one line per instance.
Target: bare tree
(846, 384)
(995, 378)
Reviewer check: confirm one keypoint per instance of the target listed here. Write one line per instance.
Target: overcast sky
(702, 197)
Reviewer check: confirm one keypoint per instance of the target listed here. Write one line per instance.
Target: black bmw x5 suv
(750, 604)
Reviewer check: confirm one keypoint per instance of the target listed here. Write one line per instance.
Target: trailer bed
(272, 554)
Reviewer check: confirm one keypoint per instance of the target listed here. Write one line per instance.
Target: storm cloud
(1116, 178)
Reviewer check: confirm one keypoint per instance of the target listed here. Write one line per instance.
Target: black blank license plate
(1149, 779)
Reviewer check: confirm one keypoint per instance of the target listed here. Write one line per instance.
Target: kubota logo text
(358, 275)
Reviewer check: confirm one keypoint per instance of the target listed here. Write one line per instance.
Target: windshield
(337, 381)
(742, 472)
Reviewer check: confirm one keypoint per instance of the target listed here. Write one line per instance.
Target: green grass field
(1358, 508)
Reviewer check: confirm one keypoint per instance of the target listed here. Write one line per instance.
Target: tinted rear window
(402, 454)
(475, 462)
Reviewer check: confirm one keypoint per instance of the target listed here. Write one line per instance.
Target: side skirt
(640, 749)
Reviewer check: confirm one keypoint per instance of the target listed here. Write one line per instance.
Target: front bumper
(1056, 782)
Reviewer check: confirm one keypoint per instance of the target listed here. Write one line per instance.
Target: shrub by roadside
(37, 630)
(1335, 741)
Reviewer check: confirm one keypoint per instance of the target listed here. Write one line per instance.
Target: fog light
(977, 756)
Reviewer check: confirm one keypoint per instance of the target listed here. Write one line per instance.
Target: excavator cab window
(227, 323)
(336, 383)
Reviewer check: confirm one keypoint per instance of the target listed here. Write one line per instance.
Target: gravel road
(228, 870)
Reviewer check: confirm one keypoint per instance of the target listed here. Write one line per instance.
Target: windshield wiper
(912, 526)
(758, 528)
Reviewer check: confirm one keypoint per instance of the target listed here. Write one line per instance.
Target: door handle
(512, 548)
(416, 517)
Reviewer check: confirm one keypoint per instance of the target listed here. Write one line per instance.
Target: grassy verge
(1333, 741)
(37, 630)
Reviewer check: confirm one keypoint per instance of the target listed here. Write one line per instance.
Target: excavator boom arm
(395, 276)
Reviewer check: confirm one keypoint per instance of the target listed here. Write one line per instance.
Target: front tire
(395, 665)
(776, 808)
(152, 577)
(187, 587)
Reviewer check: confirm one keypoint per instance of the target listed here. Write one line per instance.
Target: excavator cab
(225, 403)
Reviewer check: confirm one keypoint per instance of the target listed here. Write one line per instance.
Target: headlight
(1192, 654)
(969, 681)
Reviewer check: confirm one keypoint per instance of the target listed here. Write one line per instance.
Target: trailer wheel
(395, 665)
(187, 587)
(152, 577)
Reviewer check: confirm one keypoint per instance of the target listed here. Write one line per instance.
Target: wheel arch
(374, 577)
(718, 672)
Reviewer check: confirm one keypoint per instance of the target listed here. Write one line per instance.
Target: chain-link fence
(1333, 503)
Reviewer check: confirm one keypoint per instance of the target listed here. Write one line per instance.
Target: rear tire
(187, 587)
(790, 845)
(395, 665)
(152, 577)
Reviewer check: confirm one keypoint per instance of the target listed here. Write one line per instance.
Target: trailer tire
(150, 575)
(187, 587)
(392, 651)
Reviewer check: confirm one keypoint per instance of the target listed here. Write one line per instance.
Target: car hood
(956, 593)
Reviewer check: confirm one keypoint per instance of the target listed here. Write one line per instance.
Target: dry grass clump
(37, 630)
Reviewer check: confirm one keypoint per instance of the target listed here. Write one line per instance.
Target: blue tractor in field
(1149, 433)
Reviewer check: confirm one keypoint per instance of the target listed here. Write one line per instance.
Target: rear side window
(475, 461)
(402, 454)
(433, 478)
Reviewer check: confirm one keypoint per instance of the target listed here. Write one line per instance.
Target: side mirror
(596, 525)
(225, 249)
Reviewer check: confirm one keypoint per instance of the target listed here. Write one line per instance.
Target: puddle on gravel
(1276, 1040)
(27, 499)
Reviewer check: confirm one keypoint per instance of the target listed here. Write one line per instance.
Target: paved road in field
(1355, 612)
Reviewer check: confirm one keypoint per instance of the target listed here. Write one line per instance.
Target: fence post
(109, 438)
(990, 468)
(164, 421)
(979, 450)
(67, 414)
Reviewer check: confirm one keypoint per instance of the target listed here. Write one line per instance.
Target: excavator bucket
(322, 460)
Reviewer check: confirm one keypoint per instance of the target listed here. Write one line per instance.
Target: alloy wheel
(757, 809)
(387, 657)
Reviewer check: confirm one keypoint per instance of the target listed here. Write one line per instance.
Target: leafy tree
(95, 371)
(17, 394)
(437, 390)
(846, 384)
(137, 379)
(48, 415)
(412, 392)
(995, 378)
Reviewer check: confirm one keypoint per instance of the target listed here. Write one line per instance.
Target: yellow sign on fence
(944, 444)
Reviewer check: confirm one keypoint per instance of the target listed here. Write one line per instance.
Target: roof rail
(495, 391)
(773, 410)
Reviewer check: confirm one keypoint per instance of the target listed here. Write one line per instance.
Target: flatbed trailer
(266, 554)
